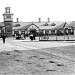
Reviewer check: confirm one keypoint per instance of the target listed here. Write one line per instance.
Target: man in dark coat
(34, 36)
(31, 37)
(3, 37)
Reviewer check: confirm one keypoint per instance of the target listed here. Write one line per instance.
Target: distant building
(11, 28)
(8, 19)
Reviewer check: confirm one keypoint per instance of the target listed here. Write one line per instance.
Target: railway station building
(41, 28)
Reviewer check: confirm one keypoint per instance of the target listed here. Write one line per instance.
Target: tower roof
(7, 7)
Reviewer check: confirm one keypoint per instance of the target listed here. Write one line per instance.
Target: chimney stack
(39, 19)
(48, 19)
(17, 20)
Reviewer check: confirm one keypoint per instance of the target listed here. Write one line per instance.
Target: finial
(48, 19)
(65, 21)
(39, 19)
(7, 5)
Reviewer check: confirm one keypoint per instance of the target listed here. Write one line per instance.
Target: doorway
(33, 31)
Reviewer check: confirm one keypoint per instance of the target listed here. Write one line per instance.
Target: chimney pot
(39, 19)
(48, 19)
(17, 19)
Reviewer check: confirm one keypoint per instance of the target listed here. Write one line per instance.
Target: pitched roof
(45, 24)
(53, 24)
(1, 24)
(38, 23)
(26, 26)
(56, 22)
(60, 26)
(72, 24)
(46, 27)
(19, 25)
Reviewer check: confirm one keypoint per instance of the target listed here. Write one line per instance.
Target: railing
(57, 38)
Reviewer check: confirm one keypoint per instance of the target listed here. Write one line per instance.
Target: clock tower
(8, 19)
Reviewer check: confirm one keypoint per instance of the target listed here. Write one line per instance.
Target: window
(52, 31)
(47, 31)
(8, 24)
(8, 16)
(8, 29)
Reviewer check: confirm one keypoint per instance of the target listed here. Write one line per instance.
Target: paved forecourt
(12, 44)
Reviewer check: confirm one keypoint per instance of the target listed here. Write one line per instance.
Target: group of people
(23, 36)
(32, 37)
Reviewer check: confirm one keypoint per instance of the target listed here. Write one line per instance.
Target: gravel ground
(47, 61)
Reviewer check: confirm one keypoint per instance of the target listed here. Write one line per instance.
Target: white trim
(44, 31)
(4, 30)
(19, 32)
(55, 31)
(49, 31)
(74, 32)
(12, 32)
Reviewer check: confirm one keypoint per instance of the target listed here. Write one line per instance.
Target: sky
(31, 10)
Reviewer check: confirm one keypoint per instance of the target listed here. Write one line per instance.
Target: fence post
(64, 36)
(39, 38)
(68, 37)
(56, 37)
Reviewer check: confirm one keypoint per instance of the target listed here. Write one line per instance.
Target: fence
(57, 38)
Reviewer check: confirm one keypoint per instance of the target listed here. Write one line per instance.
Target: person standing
(31, 37)
(3, 37)
(34, 36)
